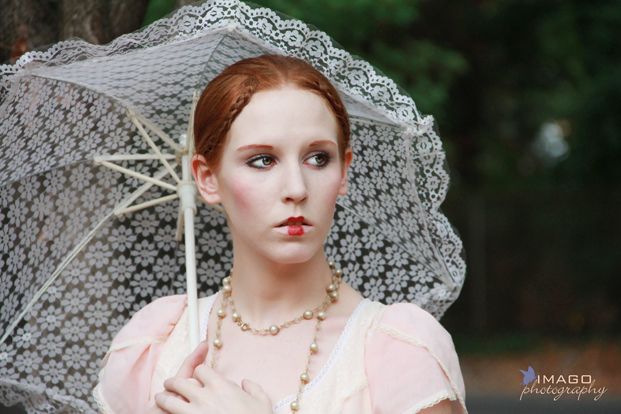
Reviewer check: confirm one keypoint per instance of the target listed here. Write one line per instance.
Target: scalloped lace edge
(417, 342)
(69, 400)
(431, 401)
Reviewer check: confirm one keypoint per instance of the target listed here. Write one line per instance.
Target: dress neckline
(327, 367)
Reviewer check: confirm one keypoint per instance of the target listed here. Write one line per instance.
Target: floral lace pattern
(77, 273)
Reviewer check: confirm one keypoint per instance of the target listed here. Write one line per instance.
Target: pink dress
(393, 359)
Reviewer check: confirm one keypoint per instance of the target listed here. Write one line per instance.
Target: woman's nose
(294, 185)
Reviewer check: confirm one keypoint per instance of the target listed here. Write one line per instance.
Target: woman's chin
(292, 253)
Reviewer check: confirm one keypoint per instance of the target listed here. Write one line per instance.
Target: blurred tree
(30, 24)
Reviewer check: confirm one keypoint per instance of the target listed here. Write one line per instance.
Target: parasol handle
(187, 197)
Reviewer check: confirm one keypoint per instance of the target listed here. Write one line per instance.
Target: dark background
(527, 94)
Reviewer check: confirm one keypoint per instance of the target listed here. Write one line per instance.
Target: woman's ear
(206, 180)
(349, 154)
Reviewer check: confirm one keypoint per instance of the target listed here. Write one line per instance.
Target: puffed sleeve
(126, 376)
(411, 363)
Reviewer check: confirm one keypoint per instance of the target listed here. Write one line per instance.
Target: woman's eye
(319, 160)
(262, 161)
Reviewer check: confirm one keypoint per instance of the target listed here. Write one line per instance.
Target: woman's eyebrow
(253, 146)
(269, 147)
(322, 142)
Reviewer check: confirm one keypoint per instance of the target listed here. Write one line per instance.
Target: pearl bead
(295, 406)
(338, 272)
(236, 316)
(331, 287)
(304, 378)
(308, 314)
(331, 264)
(334, 295)
(226, 280)
(274, 329)
(321, 315)
(227, 288)
(221, 313)
(217, 343)
(314, 347)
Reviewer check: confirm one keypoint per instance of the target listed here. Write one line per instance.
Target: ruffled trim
(204, 320)
(431, 401)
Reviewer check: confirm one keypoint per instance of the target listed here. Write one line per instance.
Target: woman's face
(279, 175)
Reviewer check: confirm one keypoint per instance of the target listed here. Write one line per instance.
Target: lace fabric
(77, 273)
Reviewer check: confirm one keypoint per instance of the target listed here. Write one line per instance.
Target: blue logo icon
(529, 376)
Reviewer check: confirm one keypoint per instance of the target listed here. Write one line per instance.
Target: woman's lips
(293, 230)
(294, 226)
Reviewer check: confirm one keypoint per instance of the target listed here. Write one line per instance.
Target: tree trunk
(86, 19)
(127, 15)
(30, 24)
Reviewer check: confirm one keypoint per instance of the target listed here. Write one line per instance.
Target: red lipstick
(296, 230)
(295, 225)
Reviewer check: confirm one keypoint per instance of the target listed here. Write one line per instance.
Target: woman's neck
(267, 292)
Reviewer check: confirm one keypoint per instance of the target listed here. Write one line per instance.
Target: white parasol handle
(187, 196)
(187, 201)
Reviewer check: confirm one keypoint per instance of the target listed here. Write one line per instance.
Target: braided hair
(228, 93)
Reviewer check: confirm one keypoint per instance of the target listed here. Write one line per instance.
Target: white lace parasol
(73, 269)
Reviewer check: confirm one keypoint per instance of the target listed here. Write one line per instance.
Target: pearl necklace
(320, 311)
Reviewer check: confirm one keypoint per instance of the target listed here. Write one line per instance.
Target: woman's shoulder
(158, 318)
(128, 374)
(410, 322)
(408, 343)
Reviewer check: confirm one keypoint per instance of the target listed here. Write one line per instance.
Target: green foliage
(157, 9)
(493, 72)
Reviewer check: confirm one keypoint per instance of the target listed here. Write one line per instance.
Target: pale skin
(280, 160)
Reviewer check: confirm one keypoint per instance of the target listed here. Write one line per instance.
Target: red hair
(228, 93)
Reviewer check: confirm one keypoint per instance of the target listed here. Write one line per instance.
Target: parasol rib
(153, 146)
(370, 121)
(146, 204)
(155, 129)
(54, 275)
(138, 175)
(132, 157)
(140, 191)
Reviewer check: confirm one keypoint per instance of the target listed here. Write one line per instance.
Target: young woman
(284, 334)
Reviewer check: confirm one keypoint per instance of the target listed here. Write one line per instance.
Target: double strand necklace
(320, 312)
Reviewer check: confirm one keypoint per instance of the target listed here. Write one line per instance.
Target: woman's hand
(198, 389)
(186, 371)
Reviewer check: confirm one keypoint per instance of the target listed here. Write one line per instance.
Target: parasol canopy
(91, 164)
